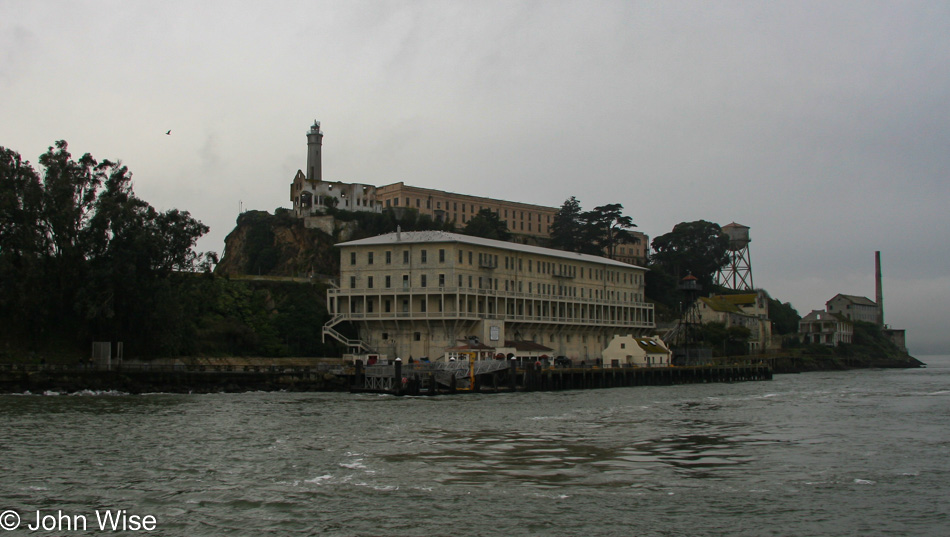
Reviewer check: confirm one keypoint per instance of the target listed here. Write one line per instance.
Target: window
(352, 258)
(369, 282)
(423, 256)
(417, 336)
(369, 258)
(441, 280)
(405, 281)
(441, 255)
(352, 282)
(388, 306)
(422, 280)
(405, 257)
(389, 282)
(423, 306)
(389, 257)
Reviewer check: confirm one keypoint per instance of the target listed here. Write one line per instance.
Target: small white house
(632, 351)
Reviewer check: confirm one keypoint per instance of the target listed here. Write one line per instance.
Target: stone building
(750, 310)
(855, 308)
(825, 328)
(420, 293)
(522, 218)
(310, 194)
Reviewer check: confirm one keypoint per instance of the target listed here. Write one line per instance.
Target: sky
(823, 126)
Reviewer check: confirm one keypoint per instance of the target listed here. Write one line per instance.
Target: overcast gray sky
(823, 126)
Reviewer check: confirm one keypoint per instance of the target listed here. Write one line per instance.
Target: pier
(495, 376)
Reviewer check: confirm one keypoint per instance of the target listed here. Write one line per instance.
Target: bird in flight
(169, 132)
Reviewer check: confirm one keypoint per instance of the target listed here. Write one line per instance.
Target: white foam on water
(864, 482)
(319, 480)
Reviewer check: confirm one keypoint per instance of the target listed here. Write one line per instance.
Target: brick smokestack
(879, 289)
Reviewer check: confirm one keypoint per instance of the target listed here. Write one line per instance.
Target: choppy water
(843, 453)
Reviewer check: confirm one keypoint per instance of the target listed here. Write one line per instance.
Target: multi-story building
(420, 293)
(855, 308)
(310, 195)
(825, 328)
(750, 310)
(522, 218)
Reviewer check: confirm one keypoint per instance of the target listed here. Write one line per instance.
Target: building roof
(819, 315)
(435, 237)
(745, 299)
(527, 346)
(854, 299)
(717, 304)
(651, 345)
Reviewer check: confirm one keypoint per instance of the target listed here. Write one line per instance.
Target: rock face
(278, 245)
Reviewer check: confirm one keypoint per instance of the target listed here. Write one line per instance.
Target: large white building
(416, 294)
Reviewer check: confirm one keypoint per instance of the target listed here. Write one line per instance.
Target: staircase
(356, 346)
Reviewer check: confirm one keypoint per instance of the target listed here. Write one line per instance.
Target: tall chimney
(879, 289)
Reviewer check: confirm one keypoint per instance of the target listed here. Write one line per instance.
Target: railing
(501, 295)
(540, 319)
(351, 343)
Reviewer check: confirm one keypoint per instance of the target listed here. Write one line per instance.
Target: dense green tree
(595, 232)
(698, 248)
(90, 259)
(486, 224)
(567, 226)
(784, 317)
(606, 227)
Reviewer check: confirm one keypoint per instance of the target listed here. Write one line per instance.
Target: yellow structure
(416, 294)
(750, 310)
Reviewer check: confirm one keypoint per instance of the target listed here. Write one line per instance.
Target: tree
(784, 317)
(486, 224)
(567, 226)
(698, 248)
(595, 232)
(21, 198)
(606, 226)
(90, 258)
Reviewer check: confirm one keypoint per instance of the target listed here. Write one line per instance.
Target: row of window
(511, 263)
(471, 209)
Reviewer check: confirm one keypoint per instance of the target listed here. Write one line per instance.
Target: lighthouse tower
(314, 148)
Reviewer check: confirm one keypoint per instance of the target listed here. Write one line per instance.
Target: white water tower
(737, 274)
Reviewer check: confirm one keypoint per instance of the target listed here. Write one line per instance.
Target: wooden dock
(436, 379)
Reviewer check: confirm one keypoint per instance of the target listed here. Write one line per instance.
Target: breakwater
(147, 378)
(214, 375)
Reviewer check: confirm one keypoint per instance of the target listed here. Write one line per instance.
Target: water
(838, 453)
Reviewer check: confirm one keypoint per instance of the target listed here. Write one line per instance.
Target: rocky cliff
(278, 245)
